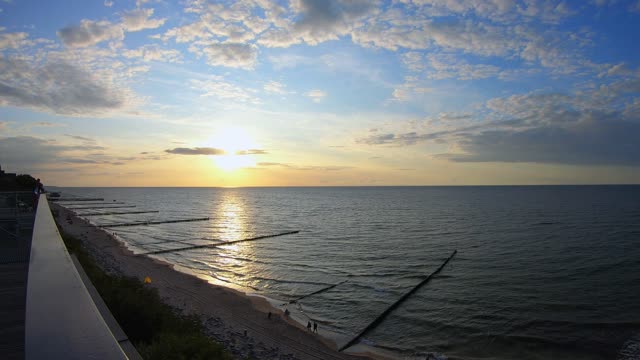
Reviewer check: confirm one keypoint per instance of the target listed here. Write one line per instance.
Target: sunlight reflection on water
(231, 217)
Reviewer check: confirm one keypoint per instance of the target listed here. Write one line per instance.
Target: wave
(558, 324)
(412, 355)
(311, 268)
(227, 281)
(630, 349)
(240, 258)
(283, 281)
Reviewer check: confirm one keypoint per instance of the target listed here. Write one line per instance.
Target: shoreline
(225, 312)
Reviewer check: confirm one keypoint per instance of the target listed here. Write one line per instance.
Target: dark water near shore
(547, 272)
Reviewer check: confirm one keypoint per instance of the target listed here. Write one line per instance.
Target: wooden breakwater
(101, 207)
(121, 213)
(76, 199)
(316, 292)
(153, 222)
(393, 306)
(95, 203)
(219, 244)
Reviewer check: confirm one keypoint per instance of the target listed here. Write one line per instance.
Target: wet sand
(226, 313)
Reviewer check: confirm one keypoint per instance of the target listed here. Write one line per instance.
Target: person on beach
(269, 315)
(315, 327)
(36, 193)
(309, 325)
(286, 312)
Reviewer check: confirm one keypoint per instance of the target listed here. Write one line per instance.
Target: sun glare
(236, 144)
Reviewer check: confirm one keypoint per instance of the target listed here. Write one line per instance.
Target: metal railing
(16, 212)
(16, 223)
(62, 321)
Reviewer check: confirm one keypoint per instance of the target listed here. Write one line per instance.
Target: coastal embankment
(237, 321)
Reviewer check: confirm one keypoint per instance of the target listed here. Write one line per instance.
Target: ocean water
(548, 272)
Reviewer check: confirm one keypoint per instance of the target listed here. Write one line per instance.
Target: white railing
(62, 321)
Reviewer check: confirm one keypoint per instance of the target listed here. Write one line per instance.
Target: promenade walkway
(16, 225)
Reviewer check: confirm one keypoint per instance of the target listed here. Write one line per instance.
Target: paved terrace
(16, 225)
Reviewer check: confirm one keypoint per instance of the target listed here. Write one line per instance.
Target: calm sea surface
(547, 272)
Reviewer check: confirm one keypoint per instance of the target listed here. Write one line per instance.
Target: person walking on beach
(315, 327)
(269, 315)
(309, 325)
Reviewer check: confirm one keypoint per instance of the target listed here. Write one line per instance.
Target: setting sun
(237, 147)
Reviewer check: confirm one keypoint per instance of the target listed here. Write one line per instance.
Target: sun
(235, 142)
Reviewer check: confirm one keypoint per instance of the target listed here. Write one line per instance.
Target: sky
(320, 92)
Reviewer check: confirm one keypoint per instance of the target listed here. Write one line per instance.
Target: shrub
(156, 329)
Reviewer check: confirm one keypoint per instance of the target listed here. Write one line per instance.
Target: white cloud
(140, 19)
(153, 53)
(279, 38)
(221, 89)
(329, 19)
(275, 87)
(594, 127)
(498, 10)
(187, 33)
(90, 33)
(12, 40)
(60, 87)
(93, 32)
(231, 55)
(108, 3)
(316, 95)
(413, 60)
(24, 152)
(410, 89)
(468, 36)
(499, 28)
(445, 66)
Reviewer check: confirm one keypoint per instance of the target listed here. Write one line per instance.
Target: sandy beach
(226, 313)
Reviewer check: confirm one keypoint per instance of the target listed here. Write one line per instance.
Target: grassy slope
(157, 330)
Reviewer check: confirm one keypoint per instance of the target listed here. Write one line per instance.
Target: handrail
(62, 321)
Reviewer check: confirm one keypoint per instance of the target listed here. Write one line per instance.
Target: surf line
(121, 213)
(153, 222)
(218, 244)
(316, 292)
(393, 306)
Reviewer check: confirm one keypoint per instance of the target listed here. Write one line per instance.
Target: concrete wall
(62, 321)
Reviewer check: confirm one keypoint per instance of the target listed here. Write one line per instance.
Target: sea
(541, 272)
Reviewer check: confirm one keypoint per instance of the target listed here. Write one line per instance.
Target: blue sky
(310, 92)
